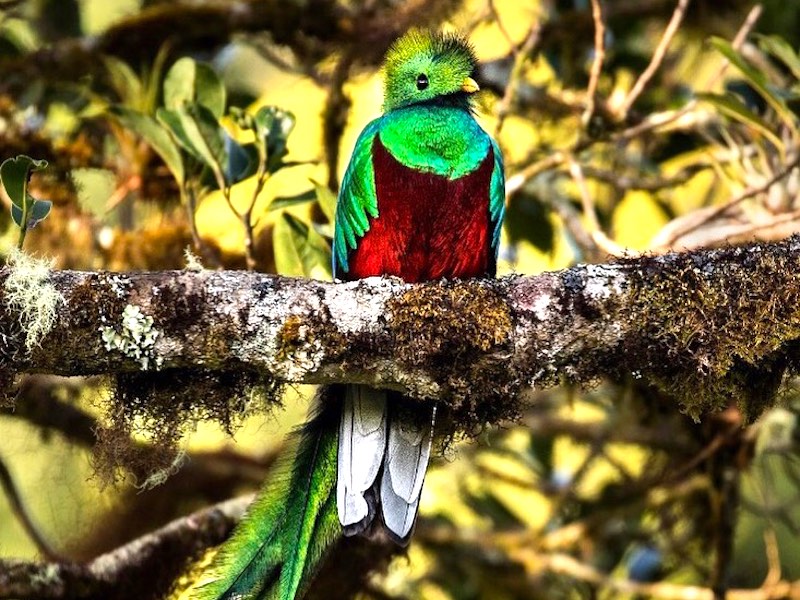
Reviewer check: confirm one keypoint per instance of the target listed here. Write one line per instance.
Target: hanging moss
(161, 407)
(718, 332)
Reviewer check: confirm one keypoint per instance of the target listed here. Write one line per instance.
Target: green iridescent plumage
(412, 118)
(276, 549)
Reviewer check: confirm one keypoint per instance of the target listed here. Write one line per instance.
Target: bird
(422, 199)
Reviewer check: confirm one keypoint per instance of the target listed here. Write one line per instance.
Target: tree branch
(707, 326)
(147, 563)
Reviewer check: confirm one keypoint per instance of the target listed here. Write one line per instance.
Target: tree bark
(709, 327)
(133, 570)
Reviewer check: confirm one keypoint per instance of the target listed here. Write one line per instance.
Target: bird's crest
(424, 65)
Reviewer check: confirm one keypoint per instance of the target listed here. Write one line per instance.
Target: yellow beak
(469, 85)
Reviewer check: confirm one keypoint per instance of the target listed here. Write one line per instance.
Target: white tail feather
(398, 515)
(362, 443)
(407, 455)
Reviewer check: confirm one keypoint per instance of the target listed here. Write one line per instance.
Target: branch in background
(599, 237)
(148, 563)
(655, 62)
(670, 236)
(314, 29)
(521, 57)
(657, 120)
(597, 62)
(21, 512)
(536, 563)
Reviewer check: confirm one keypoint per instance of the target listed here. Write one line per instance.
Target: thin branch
(772, 551)
(597, 62)
(520, 58)
(624, 182)
(596, 232)
(21, 512)
(657, 59)
(658, 120)
(519, 179)
(741, 36)
(746, 194)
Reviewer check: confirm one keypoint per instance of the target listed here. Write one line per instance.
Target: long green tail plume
(276, 549)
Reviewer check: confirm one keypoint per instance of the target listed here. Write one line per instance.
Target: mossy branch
(130, 571)
(709, 327)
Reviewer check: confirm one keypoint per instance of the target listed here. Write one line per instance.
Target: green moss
(459, 334)
(720, 331)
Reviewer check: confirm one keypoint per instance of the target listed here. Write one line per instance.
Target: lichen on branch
(710, 327)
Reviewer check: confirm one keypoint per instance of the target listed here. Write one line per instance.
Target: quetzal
(422, 199)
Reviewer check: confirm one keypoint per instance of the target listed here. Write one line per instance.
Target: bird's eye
(422, 81)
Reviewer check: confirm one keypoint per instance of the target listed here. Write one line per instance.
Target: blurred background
(627, 126)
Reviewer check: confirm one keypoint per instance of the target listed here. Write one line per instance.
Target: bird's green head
(422, 66)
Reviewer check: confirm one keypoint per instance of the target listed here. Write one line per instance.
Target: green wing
(497, 196)
(275, 551)
(357, 201)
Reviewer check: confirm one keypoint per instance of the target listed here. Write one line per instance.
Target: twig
(741, 35)
(597, 234)
(773, 558)
(20, 510)
(647, 184)
(597, 62)
(660, 119)
(520, 58)
(657, 59)
(519, 179)
(722, 209)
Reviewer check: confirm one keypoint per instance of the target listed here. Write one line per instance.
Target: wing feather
(357, 200)
(497, 196)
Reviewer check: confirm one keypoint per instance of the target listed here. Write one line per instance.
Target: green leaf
(242, 160)
(282, 202)
(757, 80)
(190, 82)
(196, 129)
(733, 107)
(39, 211)
(299, 249)
(124, 81)
(780, 49)
(156, 137)
(327, 200)
(14, 175)
(272, 128)
(16, 214)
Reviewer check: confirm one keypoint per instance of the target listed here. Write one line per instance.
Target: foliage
(26, 211)
(621, 135)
